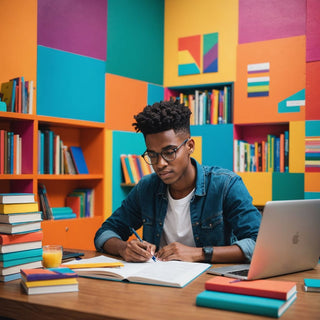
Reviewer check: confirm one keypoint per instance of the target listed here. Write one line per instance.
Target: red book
(74, 202)
(266, 288)
(20, 238)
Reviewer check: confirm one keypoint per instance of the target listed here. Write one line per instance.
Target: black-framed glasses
(151, 157)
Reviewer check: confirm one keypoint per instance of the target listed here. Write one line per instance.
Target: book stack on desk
(263, 297)
(20, 234)
(52, 280)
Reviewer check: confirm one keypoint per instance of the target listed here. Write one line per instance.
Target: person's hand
(136, 251)
(178, 251)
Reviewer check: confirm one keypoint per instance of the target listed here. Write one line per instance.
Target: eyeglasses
(152, 157)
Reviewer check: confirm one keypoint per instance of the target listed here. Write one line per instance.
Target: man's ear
(191, 145)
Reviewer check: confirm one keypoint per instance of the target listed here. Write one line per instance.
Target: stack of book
(263, 297)
(134, 168)
(63, 213)
(52, 280)
(20, 234)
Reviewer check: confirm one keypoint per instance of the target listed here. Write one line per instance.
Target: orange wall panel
(287, 77)
(18, 54)
(312, 182)
(125, 97)
(312, 91)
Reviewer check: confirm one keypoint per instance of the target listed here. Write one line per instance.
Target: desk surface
(100, 299)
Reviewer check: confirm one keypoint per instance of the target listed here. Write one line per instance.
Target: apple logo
(295, 238)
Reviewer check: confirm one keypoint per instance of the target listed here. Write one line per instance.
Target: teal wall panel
(155, 94)
(217, 144)
(287, 186)
(312, 195)
(123, 143)
(135, 42)
(70, 86)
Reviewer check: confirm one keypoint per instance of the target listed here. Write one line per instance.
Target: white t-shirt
(177, 223)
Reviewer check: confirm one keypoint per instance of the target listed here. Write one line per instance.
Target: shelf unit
(91, 137)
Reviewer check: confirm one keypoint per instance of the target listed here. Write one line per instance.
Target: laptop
(288, 241)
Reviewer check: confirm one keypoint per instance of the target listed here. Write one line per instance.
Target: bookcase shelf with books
(85, 134)
(210, 103)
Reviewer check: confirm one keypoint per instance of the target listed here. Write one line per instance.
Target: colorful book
(20, 238)
(134, 169)
(19, 207)
(128, 166)
(82, 199)
(125, 169)
(14, 228)
(79, 160)
(263, 288)
(16, 198)
(45, 283)
(244, 303)
(47, 274)
(20, 217)
(50, 288)
(312, 285)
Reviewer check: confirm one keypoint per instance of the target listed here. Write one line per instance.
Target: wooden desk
(99, 299)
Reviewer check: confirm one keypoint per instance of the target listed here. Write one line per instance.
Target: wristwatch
(208, 253)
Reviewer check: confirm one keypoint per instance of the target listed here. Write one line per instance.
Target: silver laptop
(288, 241)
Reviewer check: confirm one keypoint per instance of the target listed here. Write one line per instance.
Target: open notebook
(288, 241)
(169, 273)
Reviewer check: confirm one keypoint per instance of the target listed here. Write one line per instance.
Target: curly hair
(163, 116)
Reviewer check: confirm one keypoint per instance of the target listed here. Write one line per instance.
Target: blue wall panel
(70, 85)
(155, 94)
(123, 143)
(217, 144)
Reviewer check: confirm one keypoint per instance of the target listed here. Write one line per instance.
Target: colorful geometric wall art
(312, 146)
(293, 103)
(210, 52)
(258, 80)
(189, 55)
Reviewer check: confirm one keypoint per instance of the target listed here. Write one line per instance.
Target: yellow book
(19, 207)
(55, 282)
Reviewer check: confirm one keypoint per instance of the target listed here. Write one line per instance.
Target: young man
(188, 211)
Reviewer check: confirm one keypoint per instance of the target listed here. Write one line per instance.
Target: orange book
(20, 238)
(125, 169)
(276, 289)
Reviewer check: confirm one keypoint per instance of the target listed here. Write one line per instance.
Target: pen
(138, 237)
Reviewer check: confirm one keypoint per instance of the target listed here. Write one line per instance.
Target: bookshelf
(90, 137)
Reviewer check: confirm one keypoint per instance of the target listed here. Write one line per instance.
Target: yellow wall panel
(296, 146)
(197, 154)
(259, 185)
(108, 173)
(184, 18)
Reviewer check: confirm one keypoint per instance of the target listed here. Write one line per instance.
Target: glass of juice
(51, 256)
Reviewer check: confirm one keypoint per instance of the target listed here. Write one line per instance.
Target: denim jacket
(221, 211)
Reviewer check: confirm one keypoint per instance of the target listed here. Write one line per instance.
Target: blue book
(79, 160)
(60, 216)
(20, 254)
(286, 151)
(12, 263)
(244, 303)
(312, 285)
(10, 277)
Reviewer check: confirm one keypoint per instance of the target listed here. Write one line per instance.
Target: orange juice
(52, 256)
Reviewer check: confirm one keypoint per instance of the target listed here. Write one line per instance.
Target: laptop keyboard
(243, 272)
